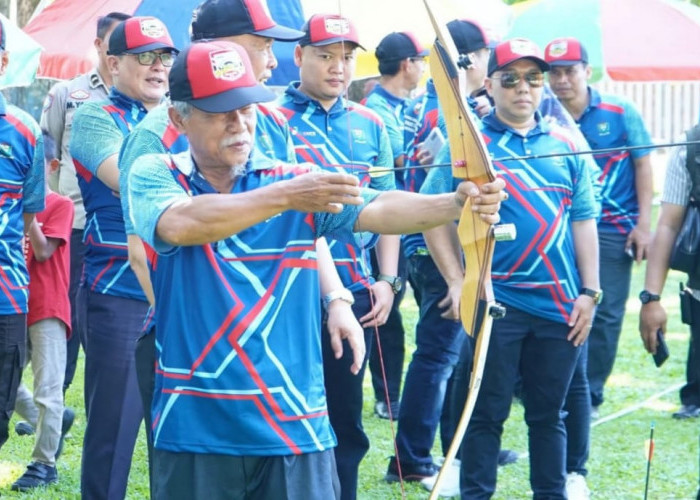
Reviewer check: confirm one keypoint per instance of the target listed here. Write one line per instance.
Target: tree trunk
(25, 8)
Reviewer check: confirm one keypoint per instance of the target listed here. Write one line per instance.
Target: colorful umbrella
(631, 40)
(66, 29)
(24, 56)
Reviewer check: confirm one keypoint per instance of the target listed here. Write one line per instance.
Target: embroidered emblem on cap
(522, 47)
(558, 49)
(337, 26)
(152, 28)
(227, 65)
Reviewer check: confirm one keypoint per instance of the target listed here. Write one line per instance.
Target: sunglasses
(149, 58)
(511, 79)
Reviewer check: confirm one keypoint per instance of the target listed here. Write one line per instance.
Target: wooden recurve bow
(470, 160)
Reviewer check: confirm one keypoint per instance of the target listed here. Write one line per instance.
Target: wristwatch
(394, 281)
(645, 296)
(596, 295)
(341, 294)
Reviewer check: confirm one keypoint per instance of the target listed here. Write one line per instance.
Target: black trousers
(13, 347)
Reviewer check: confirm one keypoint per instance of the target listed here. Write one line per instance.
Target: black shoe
(506, 457)
(24, 428)
(409, 473)
(66, 424)
(687, 411)
(37, 474)
(382, 410)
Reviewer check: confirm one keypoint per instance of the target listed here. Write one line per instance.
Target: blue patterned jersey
(22, 189)
(609, 122)
(390, 109)
(238, 339)
(420, 117)
(347, 136)
(537, 272)
(99, 129)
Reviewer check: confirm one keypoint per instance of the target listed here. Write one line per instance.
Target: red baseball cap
(565, 52)
(513, 50)
(325, 29)
(139, 34)
(216, 77)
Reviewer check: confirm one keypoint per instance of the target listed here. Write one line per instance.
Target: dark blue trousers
(438, 342)
(615, 275)
(77, 252)
(391, 343)
(112, 401)
(578, 417)
(13, 352)
(344, 398)
(537, 349)
(146, 376)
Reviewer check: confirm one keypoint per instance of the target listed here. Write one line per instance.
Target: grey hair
(183, 108)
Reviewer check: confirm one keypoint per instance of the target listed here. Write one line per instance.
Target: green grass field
(617, 464)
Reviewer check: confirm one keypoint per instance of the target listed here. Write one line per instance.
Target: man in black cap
(239, 390)
(438, 335)
(401, 66)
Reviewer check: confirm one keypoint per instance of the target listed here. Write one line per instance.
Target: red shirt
(48, 280)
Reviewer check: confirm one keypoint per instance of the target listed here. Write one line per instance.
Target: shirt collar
(95, 80)
(492, 121)
(185, 163)
(124, 101)
(393, 100)
(300, 98)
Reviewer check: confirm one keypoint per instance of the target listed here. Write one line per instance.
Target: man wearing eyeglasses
(624, 228)
(111, 304)
(547, 278)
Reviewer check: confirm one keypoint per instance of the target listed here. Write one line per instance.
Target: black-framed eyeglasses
(149, 58)
(511, 79)
(416, 59)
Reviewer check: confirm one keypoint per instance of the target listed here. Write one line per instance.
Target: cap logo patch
(227, 65)
(558, 49)
(337, 27)
(522, 48)
(152, 28)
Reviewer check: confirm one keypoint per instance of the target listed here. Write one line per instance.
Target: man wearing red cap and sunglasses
(547, 278)
(112, 305)
(239, 407)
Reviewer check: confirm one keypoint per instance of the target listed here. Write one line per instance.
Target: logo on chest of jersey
(5, 150)
(358, 135)
(604, 128)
